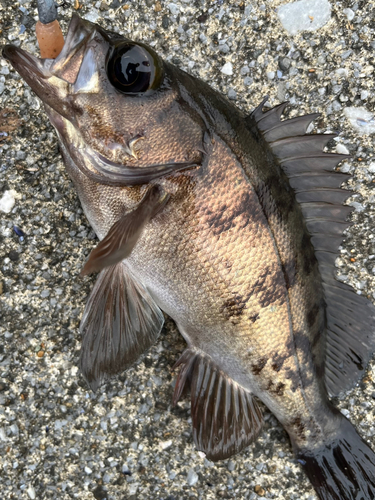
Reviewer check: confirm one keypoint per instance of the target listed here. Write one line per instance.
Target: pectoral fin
(124, 234)
(120, 322)
(226, 417)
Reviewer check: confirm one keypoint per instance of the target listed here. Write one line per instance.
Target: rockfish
(228, 223)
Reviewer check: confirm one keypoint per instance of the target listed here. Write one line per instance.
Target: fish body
(227, 223)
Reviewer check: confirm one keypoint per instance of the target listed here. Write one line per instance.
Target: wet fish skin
(229, 257)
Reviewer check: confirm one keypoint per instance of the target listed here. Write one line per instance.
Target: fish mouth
(33, 69)
(51, 79)
(27, 65)
(55, 81)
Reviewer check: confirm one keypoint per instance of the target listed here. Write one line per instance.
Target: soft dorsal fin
(119, 323)
(226, 417)
(350, 317)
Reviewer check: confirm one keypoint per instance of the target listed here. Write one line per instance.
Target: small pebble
(304, 15)
(231, 466)
(349, 14)
(361, 120)
(31, 492)
(13, 255)
(18, 231)
(173, 9)
(192, 477)
(164, 445)
(259, 490)
(7, 201)
(342, 150)
(227, 69)
(284, 63)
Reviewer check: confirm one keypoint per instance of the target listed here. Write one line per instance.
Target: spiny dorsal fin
(119, 323)
(226, 418)
(350, 318)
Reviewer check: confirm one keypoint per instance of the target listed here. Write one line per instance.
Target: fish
(228, 223)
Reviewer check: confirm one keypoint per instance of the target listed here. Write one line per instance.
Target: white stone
(132, 489)
(341, 149)
(192, 477)
(371, 168)
(345, 168)
(358, 207)
(173, 9)
(304, 15)
(342, 72)
(31, 492)
(164, 445)
(349, 14)
(227, 69)
(92, 16)
(7, 201)
(59, 424)
(361, 120)
(14, 428)
(3, 436)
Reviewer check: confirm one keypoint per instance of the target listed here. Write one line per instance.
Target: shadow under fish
(229, 224)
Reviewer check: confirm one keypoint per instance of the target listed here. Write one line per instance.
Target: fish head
(113, 102)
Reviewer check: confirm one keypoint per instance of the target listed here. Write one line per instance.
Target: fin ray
(288, 128)
(124, 234)
(342, 470)
(350, 318)
(226, 418)
(119, 323)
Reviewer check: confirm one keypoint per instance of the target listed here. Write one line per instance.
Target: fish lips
(36, 72)
(51, 79)
(31, 68)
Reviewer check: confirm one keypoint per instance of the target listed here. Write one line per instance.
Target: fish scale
(205, 246)
(229, 224)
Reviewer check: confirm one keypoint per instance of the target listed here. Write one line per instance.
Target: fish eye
(132, 69)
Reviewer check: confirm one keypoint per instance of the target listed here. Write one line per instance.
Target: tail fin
(344, 469)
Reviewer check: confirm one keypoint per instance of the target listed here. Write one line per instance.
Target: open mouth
(51, 79)
(65, 66)
(75, 69)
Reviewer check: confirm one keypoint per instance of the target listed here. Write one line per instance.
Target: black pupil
(131, 71)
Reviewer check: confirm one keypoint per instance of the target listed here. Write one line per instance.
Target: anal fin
(120, 322)
(226, 417)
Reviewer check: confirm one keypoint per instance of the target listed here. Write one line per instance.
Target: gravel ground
(57, 439)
